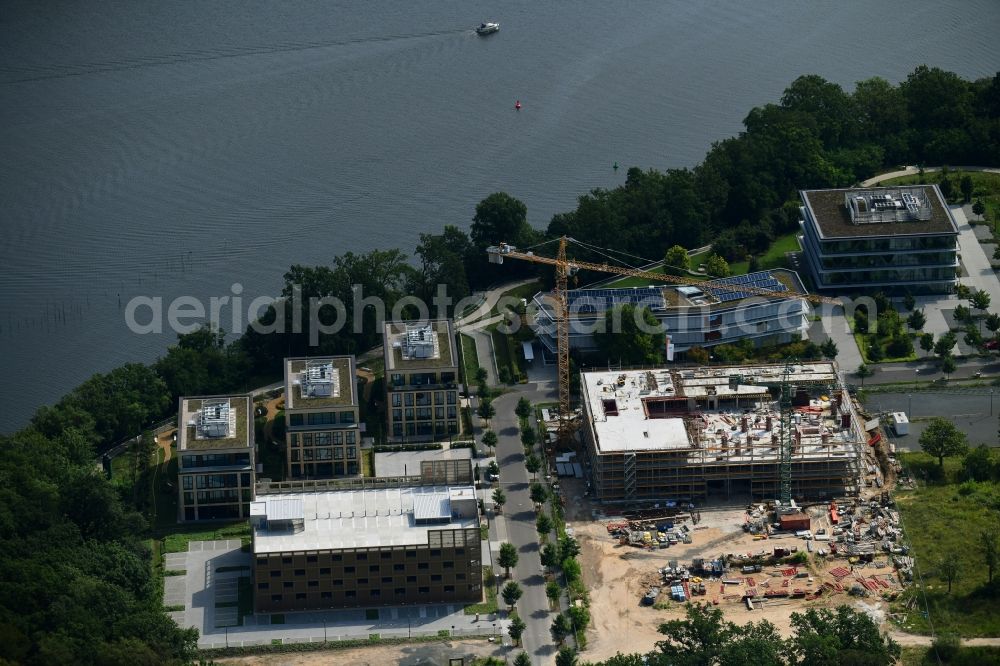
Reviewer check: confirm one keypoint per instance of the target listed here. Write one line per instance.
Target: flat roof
(239, 433)
(342, 519)
(345, 387)
(394, 335)
(407, 463)
(618, 405)
(833, 220)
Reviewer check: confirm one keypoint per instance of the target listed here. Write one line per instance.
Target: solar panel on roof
(759, 280)
(599, 300)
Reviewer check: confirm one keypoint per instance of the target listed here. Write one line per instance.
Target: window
(311, 558)
(398, 567)
(460, 551)
(326, 595)
(411, 579)
(275, 574)
(449, 565)
(350, 594)
(424, 590)
(275, 597)
(338, 582)
(324, 571)
(263, 586)
(300, 572)
(300, 595)
(314, 583)
(348, 569)
(460, 576)
(436, 552)
(286, 560)
(338, 558)
(423, 565)
(386, 555)
(373, 568)
(411, 553)
(386, 579)
(288, 584)
(375, 593)
(362, 556)
(399, 591)
(449, 588)
(435, 578)
(362, 581)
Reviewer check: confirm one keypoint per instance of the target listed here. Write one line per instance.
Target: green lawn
(863, 340)
(470, 357)
(940, 521)
(490, 586)
(696, 261)
(177, 540)
(525, 291)
(508, 354)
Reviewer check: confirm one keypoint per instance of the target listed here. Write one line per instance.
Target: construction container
(795, 522)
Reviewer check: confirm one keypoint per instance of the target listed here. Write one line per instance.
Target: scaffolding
(731, 442)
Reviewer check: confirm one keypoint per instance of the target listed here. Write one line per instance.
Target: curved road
(912, 170)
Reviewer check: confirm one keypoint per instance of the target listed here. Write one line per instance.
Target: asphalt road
(519, 515)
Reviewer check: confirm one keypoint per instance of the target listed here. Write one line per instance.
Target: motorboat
(487, 28)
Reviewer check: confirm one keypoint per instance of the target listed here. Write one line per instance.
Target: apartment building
(215, 450)
(347, 543)
(890, 239)
(323, 429)
(421, 379)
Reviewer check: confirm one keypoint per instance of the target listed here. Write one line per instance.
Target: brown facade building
(215, 450)
(323, 434)
(421, 379)
(368, 542)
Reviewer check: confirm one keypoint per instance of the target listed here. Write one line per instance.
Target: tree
(941, 439)
(522, 659)
(511, 592)
(560, 628)
(532, 464)
(543, 524)
(489, 439)
(566, 656)
(949, 567)
(549, 555)
(900, 346)
(842, 636)
(948, 365)
(493, 468)
(579, 617)
(528, 438)
(909, 302)
(571, 569)
(875, 352)
(553, 591)
(507, 557)
(993, 323)
(516, 630)
(962, 313)
(980, 301)
(864, 371)
(716, 266)
(697, 639)
(965, 185)
(486, 409)
(442, 262)
(631, 335)
(978, 464)
(499, 499)
(989, 545)
(996, 253)
(829, 349)
(568, 546)
(698, 355)
(538, 493)
(927, 342)
(945, 343)
(916, 320)
(676, 261)
(978, 209)
(523, 409)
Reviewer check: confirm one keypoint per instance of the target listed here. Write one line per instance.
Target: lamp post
(909, 405)
(227, 635)
(452, 631)
(324, 630)
(991, 402)
(409, 625)
(494, 629)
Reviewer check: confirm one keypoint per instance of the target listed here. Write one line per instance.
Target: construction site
(684, 435)
(721, 522)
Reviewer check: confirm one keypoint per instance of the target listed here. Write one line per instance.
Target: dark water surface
(176, 148)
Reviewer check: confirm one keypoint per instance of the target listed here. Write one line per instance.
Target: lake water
(176, 148)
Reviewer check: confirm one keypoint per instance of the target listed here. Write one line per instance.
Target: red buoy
(517, 105)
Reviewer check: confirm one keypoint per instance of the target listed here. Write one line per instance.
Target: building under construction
(661, 435)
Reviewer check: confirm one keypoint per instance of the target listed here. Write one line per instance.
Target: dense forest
(76, 584)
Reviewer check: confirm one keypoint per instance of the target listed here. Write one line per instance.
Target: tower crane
(566, 267)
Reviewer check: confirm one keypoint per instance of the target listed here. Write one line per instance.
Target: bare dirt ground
(425, 654)
(165, 441)
(618, 576)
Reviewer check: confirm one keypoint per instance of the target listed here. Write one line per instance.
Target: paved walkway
(912, 171)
